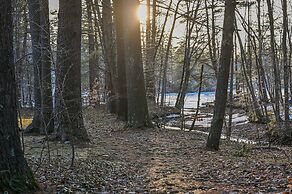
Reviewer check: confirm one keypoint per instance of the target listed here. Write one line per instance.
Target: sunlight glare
(142, 13)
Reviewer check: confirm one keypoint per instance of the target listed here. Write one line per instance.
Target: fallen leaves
(155, 161)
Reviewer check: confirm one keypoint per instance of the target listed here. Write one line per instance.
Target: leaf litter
(121, 160)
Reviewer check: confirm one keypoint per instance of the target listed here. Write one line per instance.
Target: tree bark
(46, 81)
(149, 65)
(211, 35)
(277, 81)
(35, 31)
(223, 75)
(24, 62)
(107, 33)
(70, 118)
(228, 131)
(137, 107)
(288, 129)
(213, 39)
(93, 60)
(15, 175)
(121, 62)
(262, 86)
(199, 98)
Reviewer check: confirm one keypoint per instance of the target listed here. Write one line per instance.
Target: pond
(204, 119)
(191, 99)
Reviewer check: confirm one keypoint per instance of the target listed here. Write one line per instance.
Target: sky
(54, 4)
(179, 30)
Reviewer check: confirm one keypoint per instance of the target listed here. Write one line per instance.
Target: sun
(142, 13)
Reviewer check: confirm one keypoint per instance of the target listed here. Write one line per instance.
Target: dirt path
(157, 161)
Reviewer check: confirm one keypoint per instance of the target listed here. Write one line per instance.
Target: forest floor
(119, 160)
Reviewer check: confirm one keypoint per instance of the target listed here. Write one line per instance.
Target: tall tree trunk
(186, 65)
(59, 105)
(228, 131)
(199, 98)
(153, 43)
(107, 33)
(149, 65)
(47, 100)
(70, 119)
(211, 35)
(213, 38)
(254, 103)
(261, 70)
(164, 76)
(24, 53)
(288, 129)
(274, 62)
(35, 31)
(97, 41)
(161, 37)
(188, 54)
(138, 116)
(223, 75)
(16, 176)
(93, 61)
(290, 58)
(121, 61)
(17, 48)
(161, 64)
